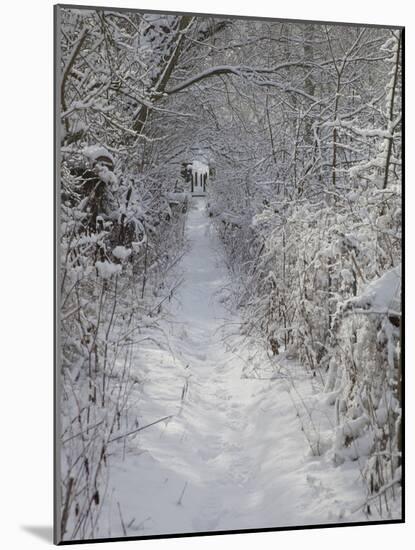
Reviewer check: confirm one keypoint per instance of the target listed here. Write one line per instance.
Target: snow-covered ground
(235, 453)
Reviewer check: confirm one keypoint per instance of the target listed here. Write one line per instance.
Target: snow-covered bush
(306, 250)
(365, 371)
(119, 238)
(112, 269)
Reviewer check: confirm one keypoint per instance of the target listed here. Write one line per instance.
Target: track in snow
(233, 456)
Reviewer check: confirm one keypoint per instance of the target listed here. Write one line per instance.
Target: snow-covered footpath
(235, 453)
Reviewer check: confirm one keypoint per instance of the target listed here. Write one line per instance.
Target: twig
(377, 495)
(124, 530)
(139, 429)
(179, 502)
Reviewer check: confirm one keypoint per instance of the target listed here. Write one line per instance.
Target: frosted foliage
(271, 308)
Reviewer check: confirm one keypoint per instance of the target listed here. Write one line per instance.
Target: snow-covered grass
(244, 444)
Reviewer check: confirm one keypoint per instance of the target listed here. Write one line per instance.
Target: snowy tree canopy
(295, 131)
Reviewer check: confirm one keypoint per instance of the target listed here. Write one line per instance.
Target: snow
(107, 269)
(199, 167)
(285, 410)
(245, 440)
(177, 197)
(107, 176)
(121, 252)
(95, 151)
(383, 295)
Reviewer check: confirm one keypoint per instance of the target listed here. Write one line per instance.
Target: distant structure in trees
(196, 174)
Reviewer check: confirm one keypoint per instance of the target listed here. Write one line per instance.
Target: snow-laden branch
(243, 72)
(159, 87)
(213, 71)
(363, 132)
(71, 60)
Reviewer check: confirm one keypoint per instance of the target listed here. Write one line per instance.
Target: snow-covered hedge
(316, 259)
